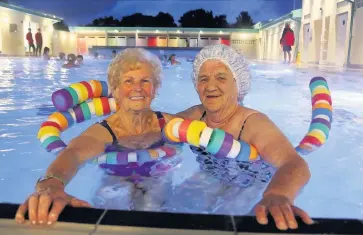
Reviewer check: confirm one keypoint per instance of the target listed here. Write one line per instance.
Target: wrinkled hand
(282, 210)
(45, 205)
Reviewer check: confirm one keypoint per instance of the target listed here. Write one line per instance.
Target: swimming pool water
(334, 191)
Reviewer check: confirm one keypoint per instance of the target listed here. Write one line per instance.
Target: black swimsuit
(230, 170)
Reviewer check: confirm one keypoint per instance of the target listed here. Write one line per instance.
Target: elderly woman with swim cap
(222, 80)
(134, 77)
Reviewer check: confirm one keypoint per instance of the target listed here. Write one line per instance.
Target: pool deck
(77, 221)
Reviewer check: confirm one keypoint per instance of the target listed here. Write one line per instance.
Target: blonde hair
(132, 59)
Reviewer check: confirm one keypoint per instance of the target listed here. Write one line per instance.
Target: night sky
(80, 12)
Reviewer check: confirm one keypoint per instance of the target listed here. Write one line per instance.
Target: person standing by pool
(29, 38)
(287, 41)
(39, 43)
(134, 78)
(222, 79)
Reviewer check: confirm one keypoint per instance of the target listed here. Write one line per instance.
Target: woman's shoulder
(194, 112)
(168, 116)
(244, 112)
(112, 119)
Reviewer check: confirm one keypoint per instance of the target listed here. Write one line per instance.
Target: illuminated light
(220, 32)
(63, 36)
(6, 19)
(200, 31)
(178, 31)
(157, 31)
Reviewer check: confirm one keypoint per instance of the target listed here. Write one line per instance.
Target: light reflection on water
(282, 92)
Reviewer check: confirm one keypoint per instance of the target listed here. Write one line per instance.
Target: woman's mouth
(137, 98)
(212, 96)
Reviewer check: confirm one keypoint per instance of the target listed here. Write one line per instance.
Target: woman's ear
(115, 95)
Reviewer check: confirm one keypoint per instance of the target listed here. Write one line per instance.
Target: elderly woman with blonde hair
(134, 77)
(222, 79)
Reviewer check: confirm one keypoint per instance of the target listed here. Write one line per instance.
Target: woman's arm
(292, 170)
(84, 147)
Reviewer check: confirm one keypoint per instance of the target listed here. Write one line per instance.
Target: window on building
(13, 28)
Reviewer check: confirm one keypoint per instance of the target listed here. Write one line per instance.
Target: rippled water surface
(282, 92)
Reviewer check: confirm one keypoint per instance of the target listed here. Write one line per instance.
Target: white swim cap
(232, 58)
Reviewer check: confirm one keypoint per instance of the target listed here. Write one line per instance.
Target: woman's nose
(211, 85)
(137, 86)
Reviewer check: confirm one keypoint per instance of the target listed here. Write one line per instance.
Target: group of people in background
(287, 41)
(37, 47)
(36, 50)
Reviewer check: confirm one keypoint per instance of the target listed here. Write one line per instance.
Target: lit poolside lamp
(157, 31)
(178, 31)
(6, 19)
(200, 31)
(220, 32)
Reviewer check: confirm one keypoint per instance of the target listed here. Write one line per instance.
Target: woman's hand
(282, 210)
(45, 205)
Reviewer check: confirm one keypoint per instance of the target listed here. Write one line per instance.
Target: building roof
(31, 12)
(295, 15)
(160, 29)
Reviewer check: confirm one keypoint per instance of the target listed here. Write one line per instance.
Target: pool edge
(84, 220)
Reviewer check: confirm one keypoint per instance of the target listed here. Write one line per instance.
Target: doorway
(318, 24)
(326, 38)
(341, 35)
(306, 35)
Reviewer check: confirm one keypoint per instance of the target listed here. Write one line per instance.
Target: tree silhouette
(164, 20)
(139, 20)
(61, 26)
(197, 18)
(243, 20)
(221, 21)
(105, 21)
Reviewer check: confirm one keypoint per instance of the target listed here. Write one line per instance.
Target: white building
(118, 37)
(14, 24)
(331, 32)
(268, 39)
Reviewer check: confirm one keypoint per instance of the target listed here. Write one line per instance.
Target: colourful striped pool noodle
(50, 131)
(77, 93)
(322, 117)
